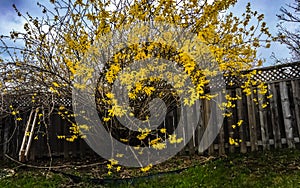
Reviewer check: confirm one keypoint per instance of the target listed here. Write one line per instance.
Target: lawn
(268, 169)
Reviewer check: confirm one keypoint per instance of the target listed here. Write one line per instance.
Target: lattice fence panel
(268, 74)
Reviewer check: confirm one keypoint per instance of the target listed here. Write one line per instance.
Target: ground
(259, 169)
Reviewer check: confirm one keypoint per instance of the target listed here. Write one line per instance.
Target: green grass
(225, 173)
(271, 169)
(31, 179)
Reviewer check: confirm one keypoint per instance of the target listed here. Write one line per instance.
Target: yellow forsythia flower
(159, 146)
(239, 123)
(231, 141)
(173, 139)
(146, 168)
(55, 84)
(113, 161)
(163, 130)
(109, 166)
(118, 168)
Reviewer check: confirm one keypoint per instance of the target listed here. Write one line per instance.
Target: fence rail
(275, 126)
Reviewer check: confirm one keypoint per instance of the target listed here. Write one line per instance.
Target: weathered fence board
(275, 116)
(296, 98)
(285, 103)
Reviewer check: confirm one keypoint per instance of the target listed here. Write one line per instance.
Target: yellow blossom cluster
(223, 42)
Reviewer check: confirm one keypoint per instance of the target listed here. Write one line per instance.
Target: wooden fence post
(275, 116)
(287, 115)
(296, 96)
(263, 122)
(252, 122)
(200, 127)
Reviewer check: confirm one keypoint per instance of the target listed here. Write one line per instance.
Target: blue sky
(269, 8)
(10, 21)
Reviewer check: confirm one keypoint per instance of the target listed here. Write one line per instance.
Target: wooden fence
(275, 126)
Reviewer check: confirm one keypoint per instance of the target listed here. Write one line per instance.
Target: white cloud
(8, 24)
